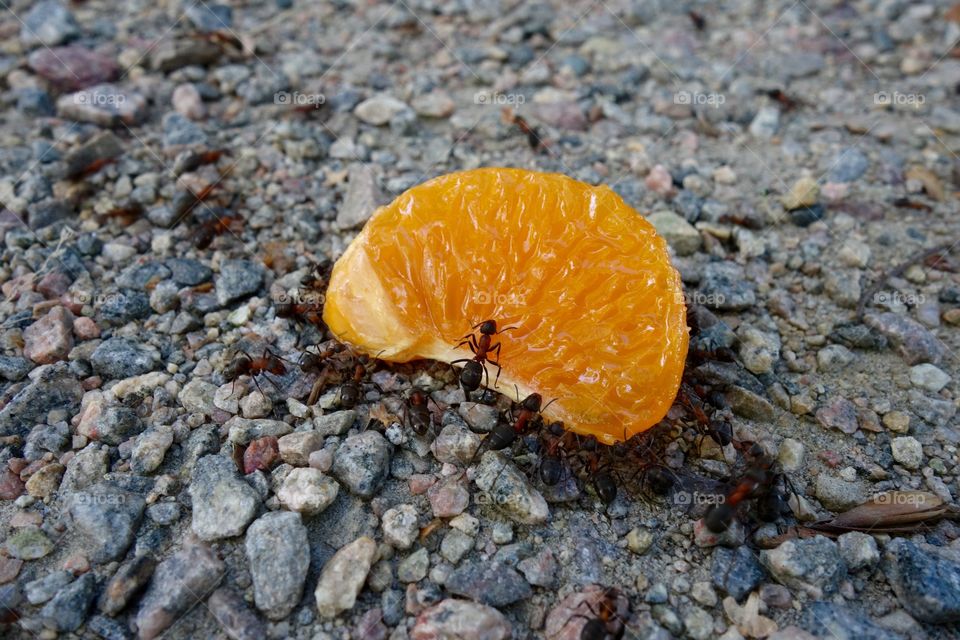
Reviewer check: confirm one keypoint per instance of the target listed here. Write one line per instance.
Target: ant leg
(497, 380)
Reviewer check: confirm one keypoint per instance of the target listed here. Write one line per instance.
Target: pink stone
(25, 519)
(91, 383)
(48, 339)
(85, 328)
(463, 620)
(72, 67)
(53, 285)
(9, 569)
(659, 181)
(77, 564)
(261, 454)
(834, 191)
(420, 482)
(449, 498)
(11, 486)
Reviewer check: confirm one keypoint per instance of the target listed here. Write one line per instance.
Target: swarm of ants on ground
(651, 463)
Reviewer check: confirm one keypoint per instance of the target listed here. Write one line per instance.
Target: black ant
(719, 430)
(318, 277)
(602, 476)
(213, 227)
(246, 365)
(351, 391)
(301, 312)
(481, 347)
(606, 623)
(551, 463)
(758, 483)
(505, 434)
(316, 363)
(416, 412)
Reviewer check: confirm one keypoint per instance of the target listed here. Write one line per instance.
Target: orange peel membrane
(598, 308)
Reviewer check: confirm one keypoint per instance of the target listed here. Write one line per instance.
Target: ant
(306, 312)
(351, 391)
(481, 347)
(699, 22)
(193, 159)
(719, 430)
(504, 434)
(316, 363)
(416, 412)
(534, 137)
(216, 226)
(606, 623)
(551, 463)
(759, 482)
(317, 279)
(786, 102)
(246, 365)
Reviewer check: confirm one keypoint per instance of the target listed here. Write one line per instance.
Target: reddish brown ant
(209, 229)
(351, 391)
(302, 312)
(786, 102)
(186, 201)
(90, 169)
(719, 430)
(481, 348)
(699, 22)
(246, 365)
(534, 137)
(192, 160)
(759, 483)
(606, 623)
(416, 412)
(316, 280)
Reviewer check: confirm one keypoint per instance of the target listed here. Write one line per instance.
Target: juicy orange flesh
(598, 308)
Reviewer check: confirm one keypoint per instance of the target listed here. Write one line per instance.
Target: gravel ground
(792, 153)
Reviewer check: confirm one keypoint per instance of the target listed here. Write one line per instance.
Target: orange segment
(599, 310)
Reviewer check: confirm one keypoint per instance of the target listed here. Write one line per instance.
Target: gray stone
(362, 463)
(813, 565)
(859, 550)
(379, 109)
(68, 609)
(53, 389)
(414, 567)
(336, 423)
(48, 23)
(238, 279)
(455, 444)
(237, 620)
(504, 486)
(244, 430)
(149, 449)
(736, 571)
(837, 494)
(837, 622)
(490, 583)
(279, 555)
(679, 234)
(400, 526)
(42, 589)
(914, 341)
(118, 358)
(927, 583)
(928, 377)
(848, 165)
(907, 451)
(361, 198)
(223, 504)
(725, 287)
(28, 543)
(108, 517)
(179, 583)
